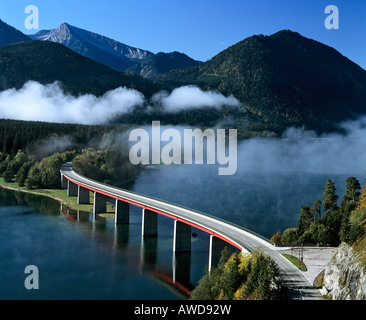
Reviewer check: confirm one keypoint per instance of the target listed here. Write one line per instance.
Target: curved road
(298, 286)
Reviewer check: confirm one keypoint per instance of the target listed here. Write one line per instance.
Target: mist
(46, 147)
(37, 102)
(192, 97)
(49, 103)
(299, 150)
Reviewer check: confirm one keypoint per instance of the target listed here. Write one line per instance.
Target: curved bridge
(221, 232)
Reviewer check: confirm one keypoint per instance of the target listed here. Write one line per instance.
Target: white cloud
(49, 103)
(189, 97)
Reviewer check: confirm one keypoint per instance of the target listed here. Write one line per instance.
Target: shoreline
(49, 193)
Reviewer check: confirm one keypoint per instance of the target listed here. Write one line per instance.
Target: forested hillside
(47, 62)
(285, 79)
(9, 34)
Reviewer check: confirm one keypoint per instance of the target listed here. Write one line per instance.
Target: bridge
(221, 232)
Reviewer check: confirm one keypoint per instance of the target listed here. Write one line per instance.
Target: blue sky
(200, 28)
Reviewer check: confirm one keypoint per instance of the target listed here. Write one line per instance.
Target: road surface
(298, 286)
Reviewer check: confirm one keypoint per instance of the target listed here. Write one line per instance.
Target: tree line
(25, 135)
(241, 276)
(339, 223)
(105, 165)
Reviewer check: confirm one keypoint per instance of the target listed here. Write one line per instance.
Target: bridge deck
(300, 287)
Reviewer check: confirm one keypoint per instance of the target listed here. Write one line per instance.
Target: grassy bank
(295, 261)
(57, 194)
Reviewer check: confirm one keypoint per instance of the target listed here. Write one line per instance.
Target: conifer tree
(329, 197)
(305, 220)
(316, 210)
(352, 194)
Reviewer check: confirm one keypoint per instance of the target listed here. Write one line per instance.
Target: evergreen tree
(305, 220)
(316, 210)
(352, 194)
(345, 232)
(231, 278)
(329, 197)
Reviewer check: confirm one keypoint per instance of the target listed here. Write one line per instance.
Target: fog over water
(275, 176)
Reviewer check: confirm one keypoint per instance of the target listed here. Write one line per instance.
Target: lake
(79, 258)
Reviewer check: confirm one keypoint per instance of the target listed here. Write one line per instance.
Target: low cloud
(37, 102)
(51, 145)
(299, 150)
(192, 97)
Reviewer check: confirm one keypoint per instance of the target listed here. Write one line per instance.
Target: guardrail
(178, 205)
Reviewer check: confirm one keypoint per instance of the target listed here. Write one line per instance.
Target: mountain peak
(92, 45)
(285, 78)
(286, 32)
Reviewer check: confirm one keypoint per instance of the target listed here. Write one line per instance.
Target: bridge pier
(72, 189)
(100, 203)
(83, 195)
(182, 237)
(122, 214)
(149, 223)
(216, 246)
(64, 181)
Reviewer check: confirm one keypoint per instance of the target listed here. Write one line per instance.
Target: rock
(345, 278)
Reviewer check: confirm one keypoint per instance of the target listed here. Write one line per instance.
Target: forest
(253, 276)
(325, 223)
(284, 79)
(33, 152)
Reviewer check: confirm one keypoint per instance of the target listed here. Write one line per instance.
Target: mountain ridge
(95, 46)
(47, 62)
(9, 34)
(113, 53)
(281, 80)
(161, 63)
(284, 78)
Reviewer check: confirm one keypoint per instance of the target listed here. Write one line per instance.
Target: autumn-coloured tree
(276, 238)
(362, 202)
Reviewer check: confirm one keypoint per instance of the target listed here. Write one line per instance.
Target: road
(298, 286)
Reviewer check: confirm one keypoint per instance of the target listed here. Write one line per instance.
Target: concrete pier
(149, 223)
(182, 237)
(83, 195)
(100, 203)
(72, 189)
(64, 181)
(122, 214)
(216, 246)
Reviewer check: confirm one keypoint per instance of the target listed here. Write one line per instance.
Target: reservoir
(79, 258)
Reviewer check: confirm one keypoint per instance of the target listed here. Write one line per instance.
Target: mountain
(162, 63)
(92, 45)
(47, 62)
(9, 34)
(285, 79)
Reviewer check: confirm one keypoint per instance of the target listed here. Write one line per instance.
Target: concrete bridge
(221, 232)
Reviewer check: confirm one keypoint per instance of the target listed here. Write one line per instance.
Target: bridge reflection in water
(184, 218)
(221, 232)
(177, 278)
